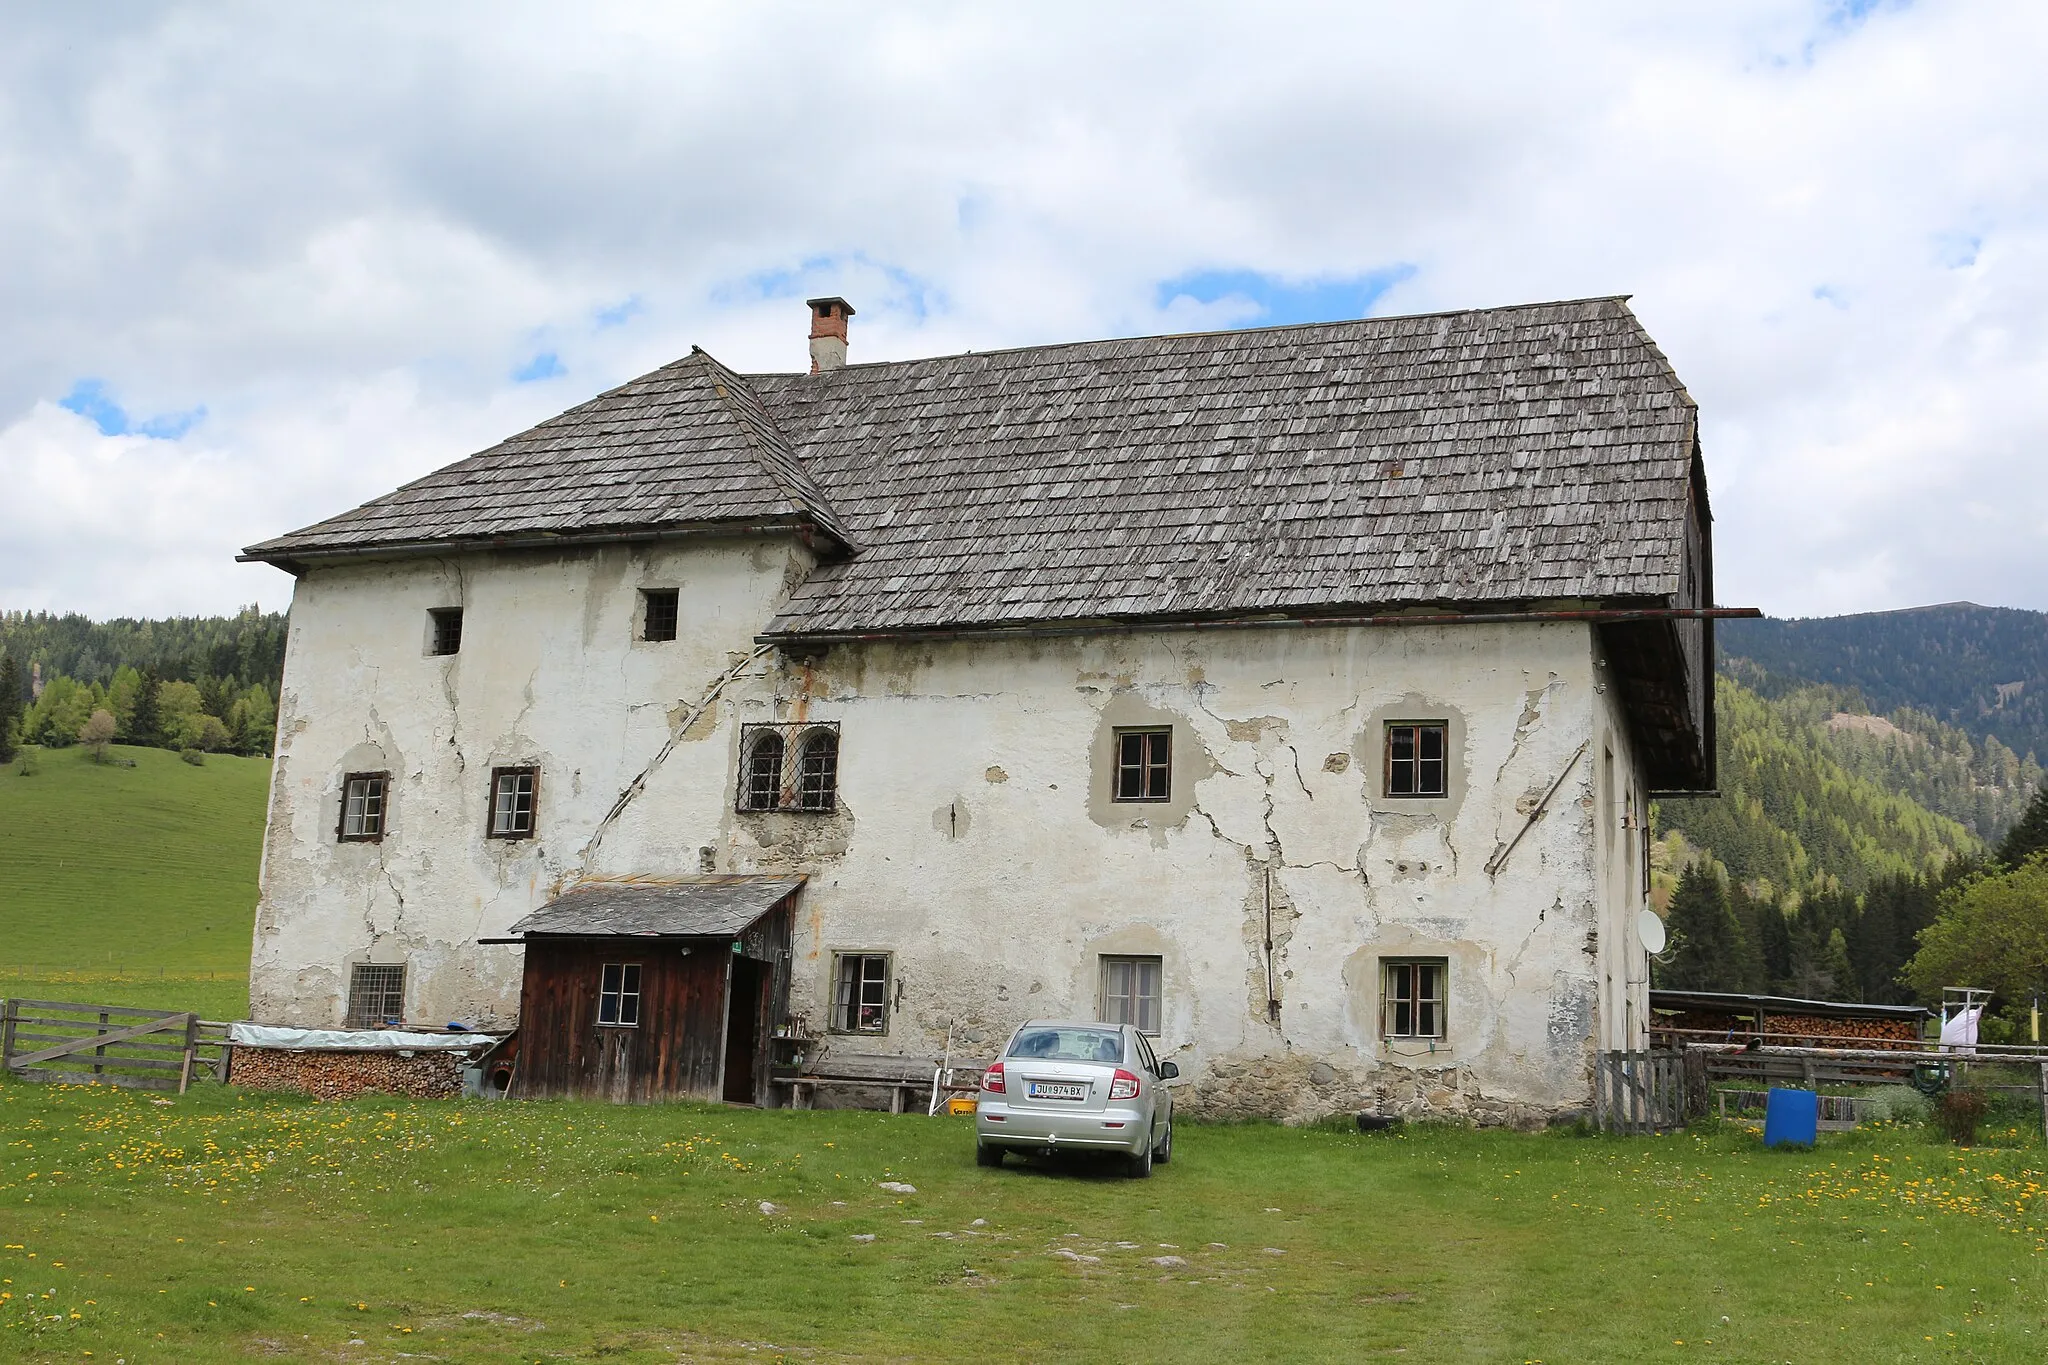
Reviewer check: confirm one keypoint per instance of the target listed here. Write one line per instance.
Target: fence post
(12, 1008)
(2044, 1099)
(191, 1051)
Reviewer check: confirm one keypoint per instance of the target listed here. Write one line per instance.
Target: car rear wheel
(1163, 1153)
(1139, 1166)
(987, 1155)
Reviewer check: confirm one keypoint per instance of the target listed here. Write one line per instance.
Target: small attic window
(444, 630)
(658, 611)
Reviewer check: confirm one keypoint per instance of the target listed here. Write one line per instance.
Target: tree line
(187, 683)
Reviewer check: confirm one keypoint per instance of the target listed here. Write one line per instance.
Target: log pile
(341, 1075)
(1810, 1030)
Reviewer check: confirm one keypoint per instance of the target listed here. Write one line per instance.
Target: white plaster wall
(974, 839)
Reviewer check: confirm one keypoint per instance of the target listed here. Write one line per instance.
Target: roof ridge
(782, 465)
(1621, 299)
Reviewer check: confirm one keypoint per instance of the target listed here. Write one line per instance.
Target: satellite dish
(1650, 929)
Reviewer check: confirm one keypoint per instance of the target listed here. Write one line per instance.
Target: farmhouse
(1295, 693)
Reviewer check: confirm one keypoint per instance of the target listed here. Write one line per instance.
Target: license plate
(1057, 1090)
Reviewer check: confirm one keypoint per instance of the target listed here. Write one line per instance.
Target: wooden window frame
(1146, 765)
(669, 603)
(444, 631)
(846, 1006)
(1134, 999)
(383, 807)
(498, 776)
(621, 992)
(381, 982)
(1399, 972)
(1389, 771)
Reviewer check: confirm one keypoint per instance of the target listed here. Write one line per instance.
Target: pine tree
(1774, 940)
(1708, 952)
(2030, 835)
(147, 726)
(1840, 973)
(10, 705)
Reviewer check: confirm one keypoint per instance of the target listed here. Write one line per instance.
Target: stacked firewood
(340, 1075)
(1812, 1030)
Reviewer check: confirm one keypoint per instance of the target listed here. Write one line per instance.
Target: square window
(362, 807)
(618, 994)
(860, 1003)
(513, 794)
(376, 995)
(1144, 765)
(1413, 997)
(1415, 759)
(658, 613)
(444, 630)
(1130, 992)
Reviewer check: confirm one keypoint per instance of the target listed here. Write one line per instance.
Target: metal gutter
(411, 549)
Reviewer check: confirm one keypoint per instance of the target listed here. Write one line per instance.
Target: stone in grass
(1274, 1251)
(1167, 1260)
(770, 1209)
(896, 1187)
(863, 1236)
(979, 1223)
(1076, 1256)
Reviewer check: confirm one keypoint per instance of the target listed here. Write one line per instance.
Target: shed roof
(1497, 455)
(1725, 1001)
(685, 907)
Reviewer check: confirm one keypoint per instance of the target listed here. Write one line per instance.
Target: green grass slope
(108, 869)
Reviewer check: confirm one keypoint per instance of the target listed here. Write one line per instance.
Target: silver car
(1061, 1086)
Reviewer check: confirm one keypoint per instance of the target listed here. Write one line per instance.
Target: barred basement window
(1414, 997)
(513, 794)
(1144, 765)
(618, 994)
(1415, 759)
(362, 807)
(444, 630)
(657, 613)
(789, 767)
(376, 995)
(861, 1000)
(1130, 992)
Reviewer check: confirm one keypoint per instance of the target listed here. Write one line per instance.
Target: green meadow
(130, 885)
(227, 1226)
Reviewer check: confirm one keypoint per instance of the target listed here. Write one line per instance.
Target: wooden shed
(1679, 1017)
(654, 990)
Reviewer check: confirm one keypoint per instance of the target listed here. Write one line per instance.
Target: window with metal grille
(618, 994)
(1415, 759)
(817, 783)
(362, 807)
(444, 630)
(513, 794)
(860, 1003)
(1144, 765)
(376, 995)
(789, 767)
(1414, 997)
(658, 613)
(1130, 992)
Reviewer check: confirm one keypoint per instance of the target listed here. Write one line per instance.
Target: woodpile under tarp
(1680, 1017)
(335, 1064)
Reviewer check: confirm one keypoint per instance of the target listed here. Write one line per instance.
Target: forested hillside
(248, 646)
(1983, 670)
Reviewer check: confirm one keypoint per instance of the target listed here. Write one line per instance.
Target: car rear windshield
(1070, 1044)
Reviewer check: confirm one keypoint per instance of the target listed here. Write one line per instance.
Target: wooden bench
(907, 1079)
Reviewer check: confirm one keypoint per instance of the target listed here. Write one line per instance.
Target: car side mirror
(1167, 1071)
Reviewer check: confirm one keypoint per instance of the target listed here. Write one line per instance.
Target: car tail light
(992, 1080)
(1123, 1086)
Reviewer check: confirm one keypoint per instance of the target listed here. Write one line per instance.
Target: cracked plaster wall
(975, 840)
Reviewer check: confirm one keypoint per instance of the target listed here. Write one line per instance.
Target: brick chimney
(828, 333)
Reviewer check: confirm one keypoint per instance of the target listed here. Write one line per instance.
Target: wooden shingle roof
(1491, 456)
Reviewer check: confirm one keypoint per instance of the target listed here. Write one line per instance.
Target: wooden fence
(56, 1040)
(1639, 1092)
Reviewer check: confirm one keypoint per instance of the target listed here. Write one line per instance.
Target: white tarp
(353, 1040)
(1959, 1030)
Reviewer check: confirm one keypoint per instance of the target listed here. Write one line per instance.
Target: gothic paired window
(789, 767)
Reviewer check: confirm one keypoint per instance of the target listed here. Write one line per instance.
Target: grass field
(110, 873)
(228, 1225)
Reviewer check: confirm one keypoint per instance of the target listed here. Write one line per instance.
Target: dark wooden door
(743, 1028)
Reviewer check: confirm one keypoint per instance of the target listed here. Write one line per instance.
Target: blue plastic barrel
(1791, 1116)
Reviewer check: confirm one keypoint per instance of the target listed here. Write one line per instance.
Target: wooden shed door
(745, 1000)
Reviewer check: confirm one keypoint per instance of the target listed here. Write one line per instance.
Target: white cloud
(343, 230)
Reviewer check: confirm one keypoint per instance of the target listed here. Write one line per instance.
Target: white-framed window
(860, 996)
(362, 807)
(376, 995)
(1130, 992)
(514, 792)
(1413, 996)
(618, 995)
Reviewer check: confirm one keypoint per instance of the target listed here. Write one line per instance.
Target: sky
(265, 262)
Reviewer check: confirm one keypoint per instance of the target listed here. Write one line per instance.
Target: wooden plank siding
(678, 1047)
